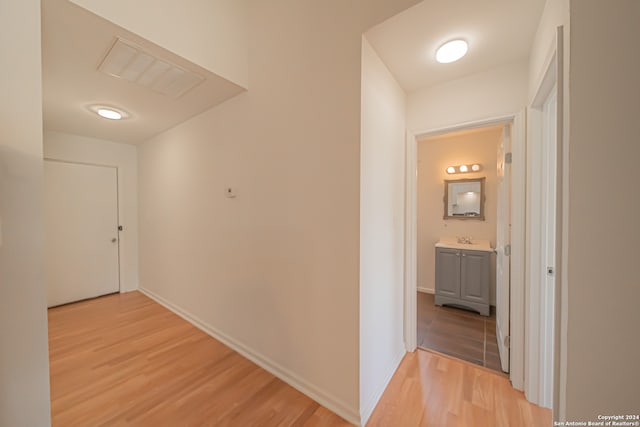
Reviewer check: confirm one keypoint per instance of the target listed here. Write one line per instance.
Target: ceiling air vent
(129, 62)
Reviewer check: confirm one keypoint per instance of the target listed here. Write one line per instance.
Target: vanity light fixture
(476, 167)
(451, 51)
(109, 112)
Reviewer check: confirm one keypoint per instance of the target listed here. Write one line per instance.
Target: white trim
(73, 162)
(534, 266)
(539, 350)
(548, 77)
(426, 290)
(411, 245)
(562, 240)
(315, 393)
(418, 134)
(374, 398)
(538, 329)
(517, 239)
(549, 285)
(518, 251)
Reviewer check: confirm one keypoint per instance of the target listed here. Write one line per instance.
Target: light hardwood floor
(125, 360)
(429, 389)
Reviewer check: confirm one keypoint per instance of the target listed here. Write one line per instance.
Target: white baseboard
(303, 386)
(372, 401)
(426, 290)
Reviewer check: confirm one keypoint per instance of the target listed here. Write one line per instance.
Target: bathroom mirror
(464, 199)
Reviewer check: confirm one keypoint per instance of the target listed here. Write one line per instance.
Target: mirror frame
(482, 198)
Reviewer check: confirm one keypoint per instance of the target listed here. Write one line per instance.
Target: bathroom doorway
(457, 260)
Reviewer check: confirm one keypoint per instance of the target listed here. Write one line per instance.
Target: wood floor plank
(124, 360)
(433, 390)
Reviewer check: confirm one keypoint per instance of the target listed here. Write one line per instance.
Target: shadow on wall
(24, 358)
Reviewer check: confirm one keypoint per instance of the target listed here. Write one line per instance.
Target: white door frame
(552, 79)
(517, 235)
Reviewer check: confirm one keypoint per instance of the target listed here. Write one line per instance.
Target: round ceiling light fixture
(451, 51)
(109, 113)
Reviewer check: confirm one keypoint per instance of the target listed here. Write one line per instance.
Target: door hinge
(507, 341)
(508, 158)
(507, 250)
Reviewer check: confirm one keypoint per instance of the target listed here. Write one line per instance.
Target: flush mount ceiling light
(108, 112)
(464, 168)
(451, 51)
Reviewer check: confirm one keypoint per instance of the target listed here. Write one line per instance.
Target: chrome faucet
(465, 240)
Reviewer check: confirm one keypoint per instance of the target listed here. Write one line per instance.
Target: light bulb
(109, 114)
(451, 169)
(464, 168)
(451, 51)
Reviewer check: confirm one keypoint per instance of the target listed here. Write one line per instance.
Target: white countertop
(476, 245)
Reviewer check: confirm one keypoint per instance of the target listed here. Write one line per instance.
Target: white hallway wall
(493, 93)
(81, 149)
(24, 362)
(275, 270)
(382, 171)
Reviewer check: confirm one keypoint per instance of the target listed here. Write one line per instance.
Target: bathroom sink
(475, 245)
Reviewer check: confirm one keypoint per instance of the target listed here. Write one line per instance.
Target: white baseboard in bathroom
(426, 290)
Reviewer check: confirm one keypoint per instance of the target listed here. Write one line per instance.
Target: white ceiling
(498, 32)
(74, 42)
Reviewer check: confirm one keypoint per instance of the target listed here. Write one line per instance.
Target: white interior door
(503, 241)
(548, 247)
(81, 231)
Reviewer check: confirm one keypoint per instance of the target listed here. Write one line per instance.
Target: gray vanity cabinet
(462, 278)
(447, 273)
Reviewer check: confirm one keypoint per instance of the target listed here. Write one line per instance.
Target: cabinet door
(448, 272)
(474, 280)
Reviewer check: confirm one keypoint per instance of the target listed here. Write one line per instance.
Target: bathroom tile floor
(457, 332)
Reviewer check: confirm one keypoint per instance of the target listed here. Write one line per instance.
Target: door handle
(113, 240)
